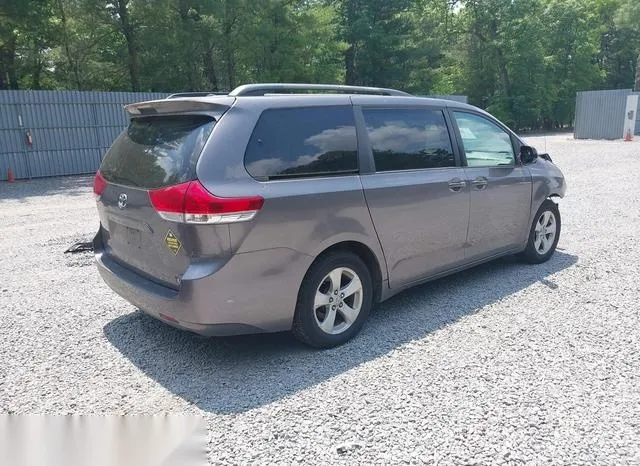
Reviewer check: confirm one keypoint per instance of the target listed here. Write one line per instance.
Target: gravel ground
(505, 363)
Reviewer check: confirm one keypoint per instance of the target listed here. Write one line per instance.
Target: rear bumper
(252, 292)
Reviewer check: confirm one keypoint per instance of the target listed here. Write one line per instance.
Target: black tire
(306, 327)
(531, 254)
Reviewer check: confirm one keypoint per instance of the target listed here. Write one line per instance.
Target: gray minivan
(299, 207)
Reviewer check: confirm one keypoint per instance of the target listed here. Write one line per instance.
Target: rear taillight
(190, 202)
(99, 185)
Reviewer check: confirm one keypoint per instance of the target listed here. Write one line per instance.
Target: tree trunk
(8, 77)
(73, 67)
(350, 65)
(504, 73)
(209, 67)
(231, 67)
(502, 61)
(132, 47)
(350, 54)
(190, 44)
(37, 66)
(230, 18)
(637, 83)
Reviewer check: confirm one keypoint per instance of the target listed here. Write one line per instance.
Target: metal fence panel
(15, 161)
(600, 114)
(637, 131)
(70, 130)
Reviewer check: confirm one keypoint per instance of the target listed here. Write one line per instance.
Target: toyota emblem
(122, 200)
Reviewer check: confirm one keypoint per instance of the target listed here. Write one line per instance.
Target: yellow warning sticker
(172, 242)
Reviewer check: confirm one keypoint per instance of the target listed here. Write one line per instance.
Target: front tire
(334, 300)
(544, 234)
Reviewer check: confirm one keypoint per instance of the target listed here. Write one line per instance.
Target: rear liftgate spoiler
(214, 107)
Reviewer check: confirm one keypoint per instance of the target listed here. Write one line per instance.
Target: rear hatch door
(158, 150)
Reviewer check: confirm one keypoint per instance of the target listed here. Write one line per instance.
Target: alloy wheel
(338, 301)
(545, 232)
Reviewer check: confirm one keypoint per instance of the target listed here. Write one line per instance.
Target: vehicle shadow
(236, 374)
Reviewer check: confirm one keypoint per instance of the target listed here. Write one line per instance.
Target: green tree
(437, 53)
(25, 33)
(503, 65)
(121, 12)
(378, 36)
(90, 52)
(628, 19)
(523, 60)
(573, 32)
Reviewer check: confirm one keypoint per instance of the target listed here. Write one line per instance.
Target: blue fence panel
(600, 114)
(637, 131)
(15, 161)
(70, 130)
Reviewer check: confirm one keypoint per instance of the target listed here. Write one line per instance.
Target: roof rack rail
(194, 94)
(264, 89)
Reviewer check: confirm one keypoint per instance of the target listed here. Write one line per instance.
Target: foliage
(523, 60)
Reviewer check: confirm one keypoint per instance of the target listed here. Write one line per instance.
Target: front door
(500, 187)
(418, 197)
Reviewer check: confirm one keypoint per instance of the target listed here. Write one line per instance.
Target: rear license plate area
(125, 235)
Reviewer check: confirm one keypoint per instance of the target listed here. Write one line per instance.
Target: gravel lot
(505, 363)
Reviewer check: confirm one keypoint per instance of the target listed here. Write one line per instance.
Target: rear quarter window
(158, 151)
(303, 142)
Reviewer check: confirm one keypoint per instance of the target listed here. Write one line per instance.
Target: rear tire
(544, 234)
(334, 300)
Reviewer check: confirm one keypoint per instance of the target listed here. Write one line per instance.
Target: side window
(485, 143)
(297, 142)
(408, 139)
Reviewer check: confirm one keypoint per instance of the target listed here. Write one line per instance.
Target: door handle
(456, 185)
(479, 183)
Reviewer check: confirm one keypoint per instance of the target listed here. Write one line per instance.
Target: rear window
(157, 151)
(296, 142)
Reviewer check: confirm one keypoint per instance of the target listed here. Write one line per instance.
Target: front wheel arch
(366, 255)
(530, 253)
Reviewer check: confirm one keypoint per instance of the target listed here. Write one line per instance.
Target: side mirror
(528, 154)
